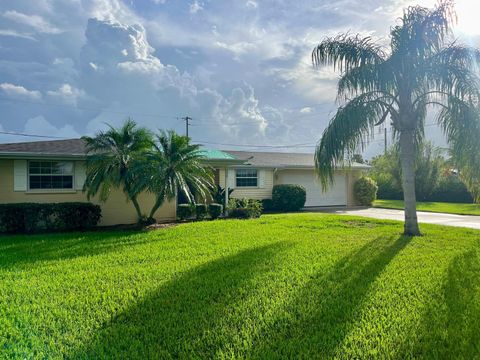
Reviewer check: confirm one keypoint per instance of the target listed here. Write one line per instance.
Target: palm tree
(174, 165)
(421, 70)
(110, 160)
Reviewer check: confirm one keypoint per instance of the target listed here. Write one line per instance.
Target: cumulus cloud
(19, 91)
(67, 94)
(35, 21)
(40, 126)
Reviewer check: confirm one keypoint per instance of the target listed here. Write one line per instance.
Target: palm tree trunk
(159, 202)
(137, 207)
(407, 160)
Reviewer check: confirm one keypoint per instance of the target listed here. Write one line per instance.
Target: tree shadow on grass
(186, 317)
(451, 323)
(29, 249)
(321, 316)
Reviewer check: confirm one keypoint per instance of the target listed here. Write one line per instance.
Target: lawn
(452, 208)
(282, 286)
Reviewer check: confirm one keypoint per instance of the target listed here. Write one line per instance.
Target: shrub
(215, 210)
(244, 208)
(451, 189)
(288, 197)
(201, 210)
(365, 190)
(34, 217)
(267, 205)
(185, 211)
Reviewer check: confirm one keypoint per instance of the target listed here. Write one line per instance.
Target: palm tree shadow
(30, 249)
(178, 320)
(451, 324)
(321, 316)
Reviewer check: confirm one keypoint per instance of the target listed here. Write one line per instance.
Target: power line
(30, 135)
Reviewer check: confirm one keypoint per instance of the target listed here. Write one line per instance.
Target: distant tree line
(436, 177)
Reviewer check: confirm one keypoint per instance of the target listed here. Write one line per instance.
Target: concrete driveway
(467, 221)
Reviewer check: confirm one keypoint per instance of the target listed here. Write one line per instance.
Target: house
(255, 177)
(54, 171)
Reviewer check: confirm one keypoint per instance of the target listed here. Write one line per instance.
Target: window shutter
(20, 175)
(261, 179)
(80, 175)
(231, 178)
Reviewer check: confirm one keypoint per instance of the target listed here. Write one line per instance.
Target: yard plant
(423, 68)
(281, 286)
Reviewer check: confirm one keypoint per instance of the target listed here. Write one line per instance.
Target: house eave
(36, 155)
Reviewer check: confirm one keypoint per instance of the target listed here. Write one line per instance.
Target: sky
(240, 69)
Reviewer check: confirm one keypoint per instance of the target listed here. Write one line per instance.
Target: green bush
(215, 210)
(451, 189)
(365, 190)
(244, 208)
(288, 197)
(185, 211)
(35, 217)
(201, 210)
(267, 205)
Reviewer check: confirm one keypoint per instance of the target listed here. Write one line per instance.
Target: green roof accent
(216, 155)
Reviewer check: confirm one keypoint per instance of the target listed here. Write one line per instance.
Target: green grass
(282, 286)
(450, 208)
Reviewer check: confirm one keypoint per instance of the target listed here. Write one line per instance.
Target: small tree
(173, 165)
(111, 154)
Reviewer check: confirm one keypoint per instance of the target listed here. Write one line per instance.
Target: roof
(217, 155)
(70, 147)
(282, 160)
(76, 148)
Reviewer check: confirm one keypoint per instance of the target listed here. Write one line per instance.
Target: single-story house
(54, 171)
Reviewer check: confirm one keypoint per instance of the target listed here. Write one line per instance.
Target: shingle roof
(76, 147)
(55, 147)
(278, 159)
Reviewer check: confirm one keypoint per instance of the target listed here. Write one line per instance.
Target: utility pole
(187, 124)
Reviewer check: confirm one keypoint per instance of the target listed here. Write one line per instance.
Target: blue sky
(241, 69)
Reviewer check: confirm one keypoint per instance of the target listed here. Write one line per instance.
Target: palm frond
(351, 127)
(346, 52)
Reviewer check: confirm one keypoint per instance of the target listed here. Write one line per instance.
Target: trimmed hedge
(288, 197)
(365, 190)
(35, 217)
(201, 210)
(267, 205)
(215, 210)
(185, 211)
(244, 208)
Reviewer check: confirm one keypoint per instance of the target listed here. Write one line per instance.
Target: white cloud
(251, 4)
(35, 21)
(306, 110)
(40, 126)
(19, 91)
(67, 93)
(14, 33)
(195, 7)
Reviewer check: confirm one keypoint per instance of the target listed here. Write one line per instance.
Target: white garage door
(335, 195)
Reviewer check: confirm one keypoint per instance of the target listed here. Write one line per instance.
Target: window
(247, 178)
(50, 175)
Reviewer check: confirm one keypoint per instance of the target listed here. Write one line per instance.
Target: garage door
(335, 195)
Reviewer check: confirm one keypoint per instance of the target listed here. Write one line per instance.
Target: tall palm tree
(420, 70)
(174, 165)
(110, 160)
